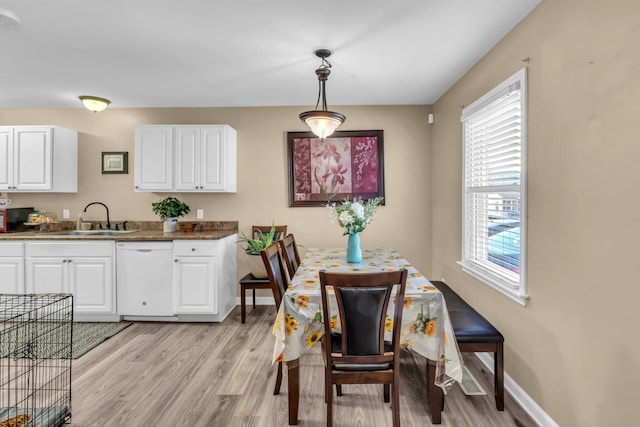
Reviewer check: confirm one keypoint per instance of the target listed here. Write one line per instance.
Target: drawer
(12, 249)
(193, 248)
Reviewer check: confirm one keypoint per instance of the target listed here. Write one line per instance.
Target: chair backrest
(275, 272)
(363, 299)
(280, 232)
(290, 254)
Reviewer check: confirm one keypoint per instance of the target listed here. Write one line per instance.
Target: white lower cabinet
(184, 280)
(204, 278)
(194, 279)
(12, 267)
(84, 269)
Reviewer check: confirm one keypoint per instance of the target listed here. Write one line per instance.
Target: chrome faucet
(105, 206)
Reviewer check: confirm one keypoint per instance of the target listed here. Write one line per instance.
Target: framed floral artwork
(343, 166)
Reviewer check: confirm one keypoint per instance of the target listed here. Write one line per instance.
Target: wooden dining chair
(359, 354)
(290, 255)
(249, 281)
(278, 284)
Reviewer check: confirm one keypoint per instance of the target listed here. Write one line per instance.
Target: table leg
(434, 394)
(293, 381)
(243, 304)
(254, 299)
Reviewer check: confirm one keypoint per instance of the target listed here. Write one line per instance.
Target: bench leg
(498, 369)
(434, 394)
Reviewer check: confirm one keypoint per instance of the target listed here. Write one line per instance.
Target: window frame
(495, 276)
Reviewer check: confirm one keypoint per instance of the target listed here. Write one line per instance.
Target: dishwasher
(144, 271)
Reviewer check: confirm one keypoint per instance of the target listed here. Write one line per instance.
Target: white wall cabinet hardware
(204, 277)
(84, 269)
(38, 159)
(144, 276)
(185, 158)
(12, 268)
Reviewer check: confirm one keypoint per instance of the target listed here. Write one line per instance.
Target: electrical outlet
(200, 214)
(65, 213)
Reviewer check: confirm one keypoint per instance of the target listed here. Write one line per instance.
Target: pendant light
(322, 122)
(94, 103)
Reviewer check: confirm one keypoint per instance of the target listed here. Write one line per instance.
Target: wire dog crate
(35, 359)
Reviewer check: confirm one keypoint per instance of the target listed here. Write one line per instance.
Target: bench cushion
(468, 325)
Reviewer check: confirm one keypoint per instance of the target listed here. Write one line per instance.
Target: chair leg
(386, 392)
(395, 405)
(339, 389)
(328, 392)
(278, 379)
(498, 371)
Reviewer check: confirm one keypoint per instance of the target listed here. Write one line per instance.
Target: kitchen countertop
(145, 231)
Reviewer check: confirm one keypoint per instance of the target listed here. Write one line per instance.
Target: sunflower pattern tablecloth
(426, 328)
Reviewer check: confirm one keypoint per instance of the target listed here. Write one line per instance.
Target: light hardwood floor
(220, 374)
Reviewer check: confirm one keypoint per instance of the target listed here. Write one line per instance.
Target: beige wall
(574, 348)
(403, 223)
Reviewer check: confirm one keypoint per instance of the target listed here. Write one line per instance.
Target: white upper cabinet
(38, 159)
(152, 168)
(185, 158)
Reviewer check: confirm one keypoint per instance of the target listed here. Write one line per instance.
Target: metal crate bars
(35, 359)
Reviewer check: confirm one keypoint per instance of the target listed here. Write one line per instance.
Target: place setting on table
(425, 326)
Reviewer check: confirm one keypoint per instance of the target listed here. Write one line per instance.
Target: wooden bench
(473, 333)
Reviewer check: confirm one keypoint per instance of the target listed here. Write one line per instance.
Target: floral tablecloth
(426, 328)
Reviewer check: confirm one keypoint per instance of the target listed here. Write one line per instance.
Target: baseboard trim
(540, 417)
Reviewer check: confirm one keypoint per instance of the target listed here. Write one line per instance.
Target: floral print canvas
(336, 168)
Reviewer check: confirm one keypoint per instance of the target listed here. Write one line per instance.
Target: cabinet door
(91, 283)
(46, 275)
(33, 158)
(213, 163)
(194, 285)
(153, 152)
(186, 161)
(12, 274)
(6, 158)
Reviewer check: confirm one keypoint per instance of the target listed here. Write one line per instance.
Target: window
(494, 187)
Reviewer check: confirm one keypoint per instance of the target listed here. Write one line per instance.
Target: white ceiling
(208, 53)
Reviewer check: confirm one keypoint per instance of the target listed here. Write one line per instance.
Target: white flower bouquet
(353, 215)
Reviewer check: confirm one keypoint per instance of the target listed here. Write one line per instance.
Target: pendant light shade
(95, 103)
(322, 122)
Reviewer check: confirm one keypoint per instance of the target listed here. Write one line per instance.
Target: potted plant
(253, 248)
(169, 210)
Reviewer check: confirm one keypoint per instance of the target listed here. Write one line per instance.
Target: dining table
(426, 328)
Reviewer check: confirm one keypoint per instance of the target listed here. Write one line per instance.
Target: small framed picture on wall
(115, 162)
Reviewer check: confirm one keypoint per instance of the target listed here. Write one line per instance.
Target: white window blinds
(494, 136)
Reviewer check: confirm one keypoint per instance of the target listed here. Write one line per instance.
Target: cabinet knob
(175, 260)
(193, 249)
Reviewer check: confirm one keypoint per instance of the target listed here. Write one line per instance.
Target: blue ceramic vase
(354, 252)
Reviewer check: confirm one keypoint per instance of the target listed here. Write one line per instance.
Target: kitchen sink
(86, 233)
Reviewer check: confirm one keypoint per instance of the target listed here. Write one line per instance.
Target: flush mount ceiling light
(322, 122)
(95, 103)
(8, 18)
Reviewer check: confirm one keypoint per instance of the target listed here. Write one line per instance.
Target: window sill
(495, 283)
